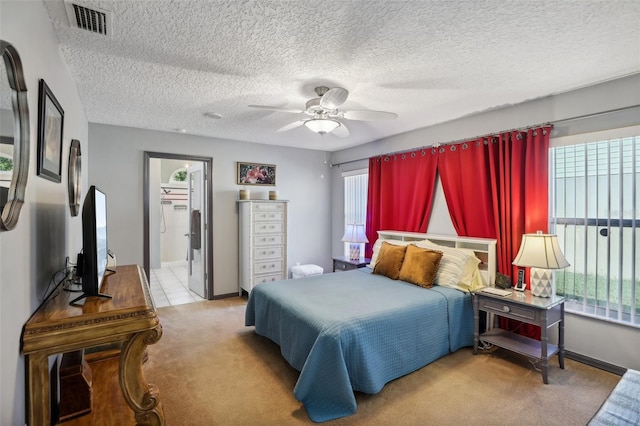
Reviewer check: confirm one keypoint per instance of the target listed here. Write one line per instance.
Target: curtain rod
(553, 123)
(439, 144)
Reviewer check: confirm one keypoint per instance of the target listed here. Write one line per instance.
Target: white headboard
(484, 248)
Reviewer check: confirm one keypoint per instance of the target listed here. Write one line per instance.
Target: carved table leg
(141, 397)
(38, 376)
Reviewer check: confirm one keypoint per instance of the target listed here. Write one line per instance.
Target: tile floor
(169, 286)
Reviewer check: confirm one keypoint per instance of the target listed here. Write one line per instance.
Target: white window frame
(580, 250)
(355, 201)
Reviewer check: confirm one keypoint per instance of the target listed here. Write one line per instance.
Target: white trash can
(301, 271)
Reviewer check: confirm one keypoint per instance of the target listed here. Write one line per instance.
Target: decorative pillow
(389, 260)
(420, 266)
(376, 249)
(458, 267)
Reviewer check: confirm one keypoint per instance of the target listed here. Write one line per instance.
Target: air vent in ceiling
(89, 18)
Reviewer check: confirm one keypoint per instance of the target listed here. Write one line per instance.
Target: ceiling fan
(326, 117)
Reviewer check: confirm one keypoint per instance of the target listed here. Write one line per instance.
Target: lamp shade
(322, 125)
(354, 233)
(540, 251)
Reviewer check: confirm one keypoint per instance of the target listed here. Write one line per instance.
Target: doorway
(178, 235)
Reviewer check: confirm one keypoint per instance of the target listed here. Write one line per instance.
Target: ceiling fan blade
(334, 98)
(341, 131)
(290, 126)
(273, 108)
(369, 115)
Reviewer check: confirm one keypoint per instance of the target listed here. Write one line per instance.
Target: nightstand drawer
(343, 266)
(343, 263)
(509, 309)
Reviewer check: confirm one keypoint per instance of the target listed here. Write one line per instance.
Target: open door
(197, 245)
(198, 197)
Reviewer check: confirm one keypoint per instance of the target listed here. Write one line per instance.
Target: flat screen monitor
(95, 250)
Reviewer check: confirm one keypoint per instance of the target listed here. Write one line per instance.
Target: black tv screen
(95, 251)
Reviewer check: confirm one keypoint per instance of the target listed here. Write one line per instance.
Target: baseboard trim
(225, 296)
(602, 365)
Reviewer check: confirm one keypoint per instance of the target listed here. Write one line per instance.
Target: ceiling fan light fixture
(322, 125)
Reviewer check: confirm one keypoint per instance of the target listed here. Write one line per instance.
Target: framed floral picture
(256, 174)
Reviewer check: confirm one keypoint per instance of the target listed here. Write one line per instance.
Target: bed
(357, 330)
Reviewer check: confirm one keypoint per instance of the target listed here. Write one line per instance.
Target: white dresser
(263, 242)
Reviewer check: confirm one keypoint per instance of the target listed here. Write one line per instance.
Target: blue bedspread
(355, 331)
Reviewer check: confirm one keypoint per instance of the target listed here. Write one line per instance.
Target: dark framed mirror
(14, 137)
(74, 177)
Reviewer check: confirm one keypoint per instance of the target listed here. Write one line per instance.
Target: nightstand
(522, 306)
(344, 263)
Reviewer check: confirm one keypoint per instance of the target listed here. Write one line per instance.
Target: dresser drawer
(267, 278)
(268, 216)
(268, 240)
(268, 252)
(511, 310)
(268, 207)
(268, 227)
(267, 267)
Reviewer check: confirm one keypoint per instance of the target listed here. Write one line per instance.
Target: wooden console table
(129, 319)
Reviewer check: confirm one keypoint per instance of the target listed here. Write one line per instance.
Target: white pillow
(458, 267)
(376, 249)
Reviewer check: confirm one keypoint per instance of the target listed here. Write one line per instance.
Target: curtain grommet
(413, 155)
(441, 150)
(465, 146)
(453, 148)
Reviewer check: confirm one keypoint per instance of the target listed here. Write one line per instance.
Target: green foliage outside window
(571, 285)
(6, 164)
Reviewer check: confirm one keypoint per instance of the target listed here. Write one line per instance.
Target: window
(178, 175)
(355, 200)
(594, 210)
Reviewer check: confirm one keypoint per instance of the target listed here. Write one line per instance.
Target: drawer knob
(506, 308)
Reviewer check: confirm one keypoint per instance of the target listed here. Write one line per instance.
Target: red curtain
(400, 193)
(466, 184)
(497, 187)
(520, 163)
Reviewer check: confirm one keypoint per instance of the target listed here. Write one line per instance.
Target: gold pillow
(420, 266)
(389, 260)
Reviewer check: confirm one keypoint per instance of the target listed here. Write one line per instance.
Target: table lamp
(355, 235)
(542, 253)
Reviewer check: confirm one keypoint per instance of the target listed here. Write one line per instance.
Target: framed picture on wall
(256, 174)
(50, 127)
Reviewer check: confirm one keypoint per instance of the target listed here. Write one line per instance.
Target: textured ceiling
(169, 62)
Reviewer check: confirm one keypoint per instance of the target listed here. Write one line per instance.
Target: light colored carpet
(212, 370)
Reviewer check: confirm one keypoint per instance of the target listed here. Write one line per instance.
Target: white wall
(46, 233)
(115, 166)
(609, 342)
